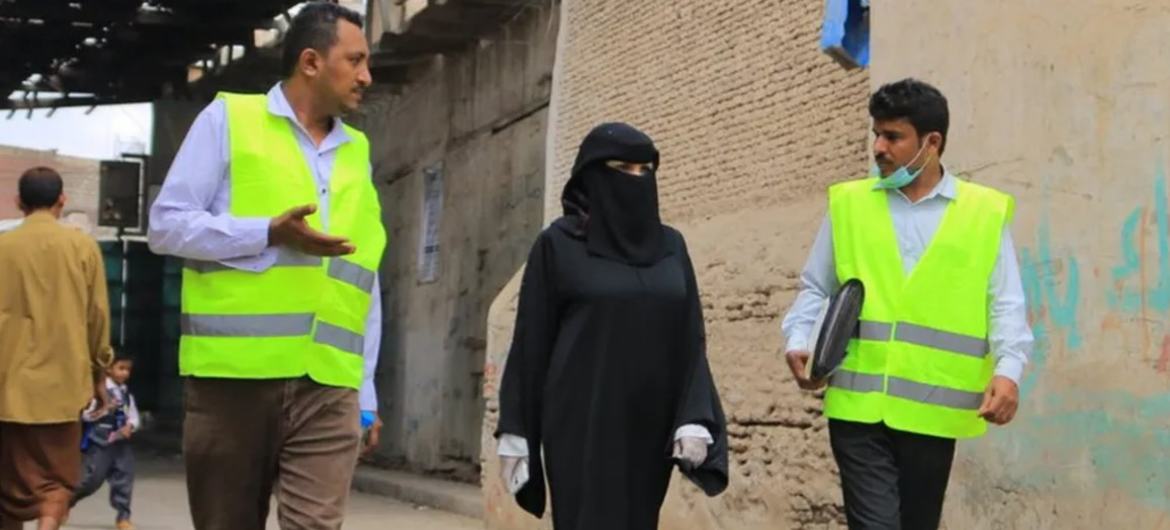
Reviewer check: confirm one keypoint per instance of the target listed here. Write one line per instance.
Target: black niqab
(608, 357)
(617, 212)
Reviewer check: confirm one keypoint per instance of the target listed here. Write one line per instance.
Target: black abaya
(607, 361)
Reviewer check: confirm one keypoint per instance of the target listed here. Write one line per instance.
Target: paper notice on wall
(432, 213)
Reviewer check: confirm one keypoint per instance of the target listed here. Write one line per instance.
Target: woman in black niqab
(608, 372)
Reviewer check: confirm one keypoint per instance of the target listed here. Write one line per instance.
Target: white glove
(691, 451)
(513, 451)
(514, 472)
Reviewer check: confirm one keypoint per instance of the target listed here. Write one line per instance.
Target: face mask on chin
(902, 176)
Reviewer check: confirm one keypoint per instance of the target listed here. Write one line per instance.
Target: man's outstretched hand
(290, 229)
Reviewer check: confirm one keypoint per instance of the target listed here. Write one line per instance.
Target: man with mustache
(943, 337)
(271, 203)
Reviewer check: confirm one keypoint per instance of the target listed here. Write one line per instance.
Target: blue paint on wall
(1122, 438)
(1129, 297)
(1039, 274)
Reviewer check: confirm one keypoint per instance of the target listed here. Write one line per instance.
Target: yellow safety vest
(305, 315)
(921, 361)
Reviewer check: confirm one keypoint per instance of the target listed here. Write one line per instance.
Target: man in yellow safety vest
(271, 204)
(943, 337)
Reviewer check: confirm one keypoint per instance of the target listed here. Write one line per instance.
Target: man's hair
(919, 103)
(315, 26)
(40, 187)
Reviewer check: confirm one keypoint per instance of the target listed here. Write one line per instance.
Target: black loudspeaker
(118, 194)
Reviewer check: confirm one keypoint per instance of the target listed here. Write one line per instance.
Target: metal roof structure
(87, 52)
(91, 52)
(402, 34)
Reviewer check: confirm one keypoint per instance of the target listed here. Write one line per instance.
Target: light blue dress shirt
(190, 218)
(1009, 334)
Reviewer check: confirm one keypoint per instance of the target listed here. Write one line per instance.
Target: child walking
(108, 456)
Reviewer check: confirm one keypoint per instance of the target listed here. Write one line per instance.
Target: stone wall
(478, 117)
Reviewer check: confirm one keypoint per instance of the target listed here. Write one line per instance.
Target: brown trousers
(40, 465)
(245, 440)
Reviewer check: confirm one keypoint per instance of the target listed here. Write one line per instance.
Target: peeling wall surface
(1066, 105)
(753, 123)
(478, 118)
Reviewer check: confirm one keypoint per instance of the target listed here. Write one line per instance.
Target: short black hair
(40, 187)
(918, 102)
(122, 357)
(315, 26)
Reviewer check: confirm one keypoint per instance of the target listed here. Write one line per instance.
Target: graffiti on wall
(1108, 437)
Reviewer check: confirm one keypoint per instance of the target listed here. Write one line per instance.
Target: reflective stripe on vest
(940, 340)
(907, 389)
(271, 326)
(340, 338)
(283, 259)
(857, 382)
(923, 336)
(352, 273)
(246, 325)
(869, 330)
(934, 395)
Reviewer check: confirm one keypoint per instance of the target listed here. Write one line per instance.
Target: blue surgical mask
(901, 177)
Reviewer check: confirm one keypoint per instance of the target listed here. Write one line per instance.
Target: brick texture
(80, 176)
(744, 107)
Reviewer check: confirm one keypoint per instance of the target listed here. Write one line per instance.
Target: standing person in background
(54, 348)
